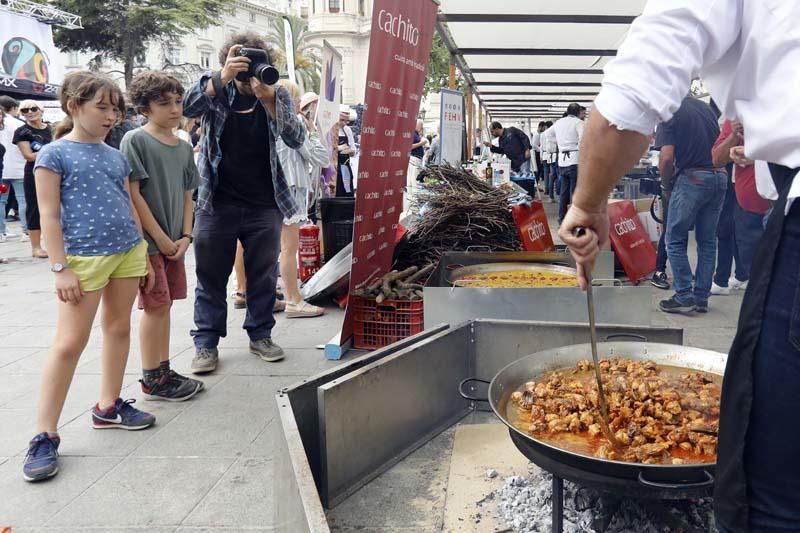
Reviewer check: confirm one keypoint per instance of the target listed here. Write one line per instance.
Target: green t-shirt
(165, 173)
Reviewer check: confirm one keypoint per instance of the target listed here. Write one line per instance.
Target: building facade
(345, 24)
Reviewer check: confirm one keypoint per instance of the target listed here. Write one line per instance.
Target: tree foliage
(438, 74)
(307, 55)
(121, 29)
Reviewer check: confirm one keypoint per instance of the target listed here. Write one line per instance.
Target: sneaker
(303, 310)
(737, 285)
(205, 360)
(170, 389)
(701, 308)
(266, 350)
(239, 300)
(674, 306)
(659, 281)
(3, 237)
(174, 375)
(280, 305)
(122, 415)
(41, 461)
(716, 290)
(25, 238)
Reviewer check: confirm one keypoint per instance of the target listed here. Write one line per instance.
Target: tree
(121, 29)
(438, 73)
(307, 55)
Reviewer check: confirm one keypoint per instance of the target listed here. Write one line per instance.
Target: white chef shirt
(549, 143)
(568, 133)
(535, 141)
(13, 160)
(747, 53)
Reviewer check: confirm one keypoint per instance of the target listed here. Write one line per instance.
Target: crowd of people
(118, 205)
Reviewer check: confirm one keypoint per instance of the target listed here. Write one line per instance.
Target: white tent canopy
(529, 60)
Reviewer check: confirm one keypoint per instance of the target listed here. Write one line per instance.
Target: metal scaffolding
(42, 13)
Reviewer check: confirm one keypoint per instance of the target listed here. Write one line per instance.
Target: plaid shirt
(214, 111)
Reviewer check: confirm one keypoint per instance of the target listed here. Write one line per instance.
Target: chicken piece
(638, 440)
(516, 397)
(677, 461)
(651, 450)
(530, 385)
(584, 365)
(686, 446)
(537, 426)
(673, 406)
(622, 437)
(586, 418)
(540, 390)
(574, 423)
(557, 425)
(602, 452)
(594, 430)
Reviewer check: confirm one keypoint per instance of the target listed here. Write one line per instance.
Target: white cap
(344, 109)
(307, 99)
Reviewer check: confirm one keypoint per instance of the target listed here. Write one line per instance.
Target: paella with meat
(659, 414)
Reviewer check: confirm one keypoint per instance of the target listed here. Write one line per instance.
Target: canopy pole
(451, 82)
(470, 129)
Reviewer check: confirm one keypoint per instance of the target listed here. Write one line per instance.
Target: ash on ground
(525, 503)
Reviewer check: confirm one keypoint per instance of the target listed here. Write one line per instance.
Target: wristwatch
(188, 236)
(57, 267)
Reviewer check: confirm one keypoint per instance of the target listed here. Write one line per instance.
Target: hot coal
(525, 504)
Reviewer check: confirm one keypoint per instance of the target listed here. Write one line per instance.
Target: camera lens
(266, 73)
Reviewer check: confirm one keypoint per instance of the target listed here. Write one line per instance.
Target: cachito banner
(29, 59)
(400, 44)
(330, 92)
(452, 127)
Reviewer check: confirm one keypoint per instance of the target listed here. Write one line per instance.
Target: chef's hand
(487, 143)
(584, 248)
(738, 157)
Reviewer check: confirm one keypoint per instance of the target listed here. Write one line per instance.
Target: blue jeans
(215, 236)
(569, 180)
(695, 201)
(550, 180)
(19, 194)
(661, 253)
(727, 249)
(773, 435)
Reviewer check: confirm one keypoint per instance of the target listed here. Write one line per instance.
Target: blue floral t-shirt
(96, 216)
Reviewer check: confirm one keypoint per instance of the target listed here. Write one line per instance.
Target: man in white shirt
(13, 171)
(568, 133)
(536, 144)
(747, 53)
(549, 157)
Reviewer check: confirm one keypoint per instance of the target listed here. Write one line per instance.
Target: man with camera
(243, 193)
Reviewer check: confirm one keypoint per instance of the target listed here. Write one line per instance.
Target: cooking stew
(517, 279)
(660, 414)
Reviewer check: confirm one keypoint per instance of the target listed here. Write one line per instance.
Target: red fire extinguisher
(309, 254)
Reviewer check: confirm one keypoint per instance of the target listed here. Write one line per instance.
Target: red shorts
(170, 283)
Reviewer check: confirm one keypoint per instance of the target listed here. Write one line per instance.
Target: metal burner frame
(341, 429)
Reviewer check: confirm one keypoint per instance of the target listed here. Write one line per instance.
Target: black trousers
(32, 204)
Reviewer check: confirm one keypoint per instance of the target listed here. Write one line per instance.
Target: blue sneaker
(41, 461)
(122, 415)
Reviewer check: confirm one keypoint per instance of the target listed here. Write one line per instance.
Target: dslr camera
(259, 66)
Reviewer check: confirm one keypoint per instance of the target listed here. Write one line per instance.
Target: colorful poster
(452, 127)
(400, 44)
(30, 61)
(330, 91)
(288, 39)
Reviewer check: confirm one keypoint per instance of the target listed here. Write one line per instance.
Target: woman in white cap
(346, 147)
(302, 169)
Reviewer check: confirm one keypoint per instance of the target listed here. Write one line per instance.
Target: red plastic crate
(378, 325)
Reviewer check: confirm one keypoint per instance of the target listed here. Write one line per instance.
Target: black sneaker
(701, 308)
(174, 375)
(674, 306)
(659, 281)
(170, 389)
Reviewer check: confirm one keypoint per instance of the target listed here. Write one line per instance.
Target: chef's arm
(606, 154)
(721, 155)
(666, 166)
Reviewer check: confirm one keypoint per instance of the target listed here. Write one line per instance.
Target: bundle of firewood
(456, 211)
(402, 285)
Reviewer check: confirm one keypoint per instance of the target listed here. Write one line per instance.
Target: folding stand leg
(558, 504)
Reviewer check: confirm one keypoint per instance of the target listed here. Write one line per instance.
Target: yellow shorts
(96, 271)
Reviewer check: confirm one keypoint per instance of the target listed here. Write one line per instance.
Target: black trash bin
(336, 216)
